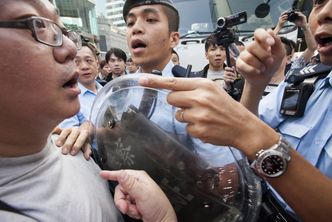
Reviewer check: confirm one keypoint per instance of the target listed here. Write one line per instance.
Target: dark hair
(239, 43)
(171, 12)
(130, 60)
(174, 52)
(211, 41)
(102, 64)
(92, 47)
(117, 52)
(173, 19)
(287, 45)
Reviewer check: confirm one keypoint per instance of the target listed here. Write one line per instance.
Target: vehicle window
(195, 16)
(201, 15)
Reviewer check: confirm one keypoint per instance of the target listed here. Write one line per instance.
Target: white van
(198, 20)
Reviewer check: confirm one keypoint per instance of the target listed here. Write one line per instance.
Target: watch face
(273, 165)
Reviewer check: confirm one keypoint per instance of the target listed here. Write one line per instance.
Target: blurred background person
(175, 57)
(104, 71)
(301, 22)
(216, 70)
(87, 67)
(116, 58)
(131, 66)
(314, 60)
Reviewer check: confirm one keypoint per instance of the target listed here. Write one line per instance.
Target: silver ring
(182, 115)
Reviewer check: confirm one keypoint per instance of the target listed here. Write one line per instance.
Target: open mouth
(138, 44)
(72, 82)
(324, 41)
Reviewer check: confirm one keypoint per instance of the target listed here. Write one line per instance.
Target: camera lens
(221, 22)
(292, 16)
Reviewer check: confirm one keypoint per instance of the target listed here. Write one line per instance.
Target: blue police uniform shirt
(86, 98)
(310, 135)
(216, 155)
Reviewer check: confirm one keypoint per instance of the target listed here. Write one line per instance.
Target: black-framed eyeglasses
(44, 31)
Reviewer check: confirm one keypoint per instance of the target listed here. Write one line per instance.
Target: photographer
(216, 55)
(300, 20)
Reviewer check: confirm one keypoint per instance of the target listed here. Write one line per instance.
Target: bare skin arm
(282, 20)
(258, 63)
(303, 24)
(209, 109)
(309, 37)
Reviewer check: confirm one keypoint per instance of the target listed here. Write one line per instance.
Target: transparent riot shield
(135, 128)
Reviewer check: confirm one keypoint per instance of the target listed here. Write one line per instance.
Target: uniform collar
(327, 82)
(167, 71)
(84, 89)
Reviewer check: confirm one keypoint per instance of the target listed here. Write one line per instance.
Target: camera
(295, 99)
(232, 20)
(292, 16)
(224, 32)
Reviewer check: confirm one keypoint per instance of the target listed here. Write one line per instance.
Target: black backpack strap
(6, 207)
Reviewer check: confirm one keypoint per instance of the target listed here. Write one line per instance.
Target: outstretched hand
(212, 115)
(72, 140)
(138, 196)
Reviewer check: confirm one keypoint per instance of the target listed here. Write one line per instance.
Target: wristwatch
(272, 162)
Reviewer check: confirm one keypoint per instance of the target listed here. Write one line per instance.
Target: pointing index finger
(110, 175)
(170, 83)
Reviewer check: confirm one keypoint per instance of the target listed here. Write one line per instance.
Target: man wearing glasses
(37, 182)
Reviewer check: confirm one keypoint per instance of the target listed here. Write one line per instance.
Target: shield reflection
(135, 128)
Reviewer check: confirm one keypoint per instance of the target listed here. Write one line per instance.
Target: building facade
(114, 12)
(78, 15)
(111, 36)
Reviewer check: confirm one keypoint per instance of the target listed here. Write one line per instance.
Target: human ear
(174, 39)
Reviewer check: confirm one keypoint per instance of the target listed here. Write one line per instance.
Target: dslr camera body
(292, 16)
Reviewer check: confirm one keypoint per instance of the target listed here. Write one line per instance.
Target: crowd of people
(46, 114)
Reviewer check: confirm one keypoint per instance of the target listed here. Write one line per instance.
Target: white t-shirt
(217, 77)
(49, 186)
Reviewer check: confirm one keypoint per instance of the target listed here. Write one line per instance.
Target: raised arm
(214, 117)
(282, 20)
(309, 37)
(257, 64)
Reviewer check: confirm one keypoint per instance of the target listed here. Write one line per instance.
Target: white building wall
(114, 12)
(111, 36)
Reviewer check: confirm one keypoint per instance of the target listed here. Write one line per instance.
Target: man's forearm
(251, 96)
(277, 29)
